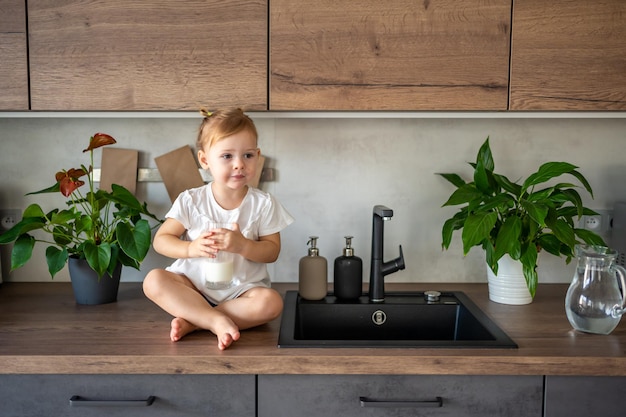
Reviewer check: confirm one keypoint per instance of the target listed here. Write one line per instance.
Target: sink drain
(379, 317)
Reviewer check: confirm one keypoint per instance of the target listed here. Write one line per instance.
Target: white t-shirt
(259, 214)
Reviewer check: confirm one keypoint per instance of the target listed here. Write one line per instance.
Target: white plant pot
(509, 286)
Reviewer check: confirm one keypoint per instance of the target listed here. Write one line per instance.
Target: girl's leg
(256, 306)
(175, 294)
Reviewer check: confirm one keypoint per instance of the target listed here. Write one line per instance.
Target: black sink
(404, 319)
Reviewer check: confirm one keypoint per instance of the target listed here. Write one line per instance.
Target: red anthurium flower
(98, 140)
(68, 185)
(73, 173)
(68, 180)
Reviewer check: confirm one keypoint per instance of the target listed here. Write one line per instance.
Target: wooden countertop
(43, 331)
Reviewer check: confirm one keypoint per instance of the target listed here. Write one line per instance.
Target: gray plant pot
(88, 289)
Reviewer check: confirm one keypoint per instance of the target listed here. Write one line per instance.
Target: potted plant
(102, 229)
(518, 219)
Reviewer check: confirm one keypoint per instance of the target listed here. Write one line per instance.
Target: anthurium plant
(104, 228)
(518, 219)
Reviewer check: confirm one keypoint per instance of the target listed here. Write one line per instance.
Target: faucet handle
(394, 265)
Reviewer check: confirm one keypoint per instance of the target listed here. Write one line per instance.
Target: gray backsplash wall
(329, 174)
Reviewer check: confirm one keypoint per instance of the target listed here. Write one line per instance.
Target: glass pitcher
(594, 302)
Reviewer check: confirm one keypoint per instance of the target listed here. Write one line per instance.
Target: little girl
(227, 146)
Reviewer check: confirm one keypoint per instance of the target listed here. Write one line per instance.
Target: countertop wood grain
(43, 331)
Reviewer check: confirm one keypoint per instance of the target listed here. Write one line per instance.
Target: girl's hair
(221, 124)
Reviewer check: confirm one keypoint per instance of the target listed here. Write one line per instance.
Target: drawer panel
(126, 395)
(375, 395)
(574, 396)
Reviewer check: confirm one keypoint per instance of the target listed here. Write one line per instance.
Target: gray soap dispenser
(313, 273)
(348, 273)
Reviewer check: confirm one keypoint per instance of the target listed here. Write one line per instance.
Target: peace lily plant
(104, 228)
(505, 217)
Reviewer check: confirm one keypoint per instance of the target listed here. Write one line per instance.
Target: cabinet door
(13, 67)
(341, 395)
(578, 396)
(389, 55)
(148, 55)
(568, 55)
(127, 395)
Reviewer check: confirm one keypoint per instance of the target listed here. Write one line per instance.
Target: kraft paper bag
(254, 182)
(119, 166)
(179, 171)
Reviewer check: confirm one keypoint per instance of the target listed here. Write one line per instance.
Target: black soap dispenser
(348, 273)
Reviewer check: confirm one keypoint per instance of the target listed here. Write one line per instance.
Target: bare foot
(226, 331)
(180, 328)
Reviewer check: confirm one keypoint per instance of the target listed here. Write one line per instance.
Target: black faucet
(378, 268)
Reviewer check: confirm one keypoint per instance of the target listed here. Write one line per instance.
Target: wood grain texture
(391, 55)
(568, 55)
(13, 59)
(43, 331)
(140, 55)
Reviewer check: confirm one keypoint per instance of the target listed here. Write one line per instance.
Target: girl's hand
(227, 240)
(202, 246)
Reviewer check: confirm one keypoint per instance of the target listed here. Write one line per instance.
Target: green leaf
(529, 266)
(23, 226)
(537, 211)
(455, 179)
(550, 243)
(34, 210)
(582, 180)
(477, 228)
(546, 172)
(135, 242)
(508, 240)
(507, 185)
(98, 256)
(61, 235)
(463, 194)
(450, 225)
(56, 259)
(484, 157)
(124, 197)
(563, 232)
(53, 189)
(574, 197)
(590, 237)
(22, 251)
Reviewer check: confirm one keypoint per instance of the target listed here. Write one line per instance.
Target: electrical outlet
(599, 223)
(8, 218)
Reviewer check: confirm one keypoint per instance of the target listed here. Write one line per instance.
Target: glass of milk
(218, 271)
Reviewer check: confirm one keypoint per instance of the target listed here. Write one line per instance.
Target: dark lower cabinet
(585, 396)
(386, 395)
(127, 395)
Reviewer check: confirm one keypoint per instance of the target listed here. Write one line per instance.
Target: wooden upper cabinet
(568, 55)
(148, 55)
(389, 55)
(13, 59)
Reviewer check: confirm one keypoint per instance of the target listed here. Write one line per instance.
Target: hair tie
(204, 112)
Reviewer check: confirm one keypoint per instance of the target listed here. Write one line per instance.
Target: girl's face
(232, 160)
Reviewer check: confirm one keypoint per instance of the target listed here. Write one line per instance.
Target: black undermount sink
(404, 319)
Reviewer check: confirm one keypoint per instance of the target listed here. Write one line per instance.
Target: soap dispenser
(348, 273)
(313, 273)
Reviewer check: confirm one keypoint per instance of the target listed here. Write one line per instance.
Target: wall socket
(600, 223)
(9, 218)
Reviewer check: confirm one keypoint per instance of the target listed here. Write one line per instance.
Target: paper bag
(119, 166)
(179, 171)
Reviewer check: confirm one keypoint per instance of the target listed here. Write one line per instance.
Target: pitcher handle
(621, 273)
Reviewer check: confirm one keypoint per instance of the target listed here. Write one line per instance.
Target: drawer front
(375, 395)
(127, 395)
(573, 396)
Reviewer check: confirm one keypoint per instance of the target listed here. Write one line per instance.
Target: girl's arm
(265, 250)
(167, 242)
